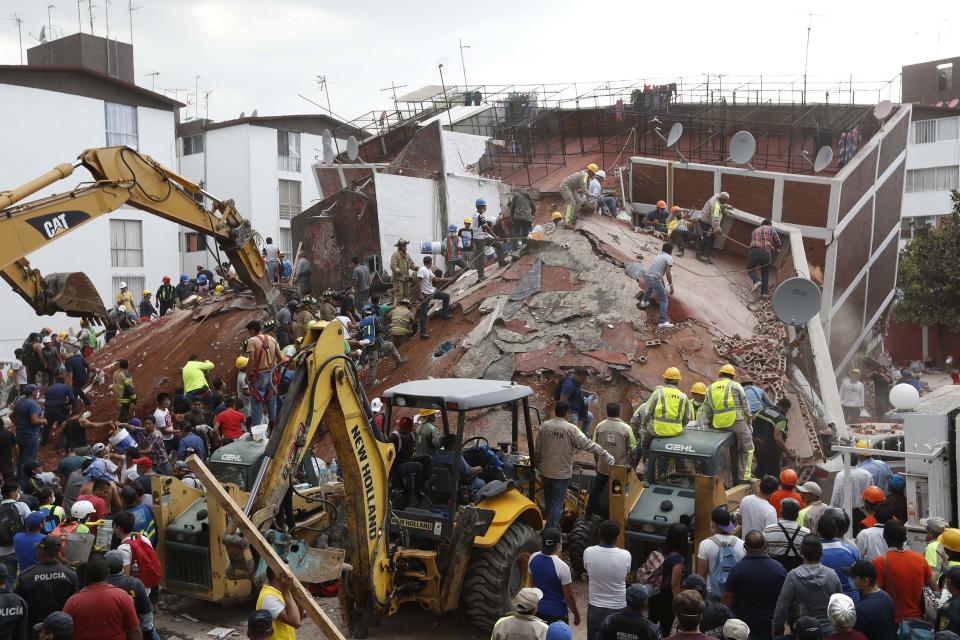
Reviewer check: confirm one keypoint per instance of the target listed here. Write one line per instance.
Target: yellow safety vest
(668, 415)
(720, 395)
(717, 211)
(281, 631)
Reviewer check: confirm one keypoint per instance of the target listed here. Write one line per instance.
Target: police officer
(668, 409)
(13, 610)
(726, 407)
(631, 623)
(47, 585)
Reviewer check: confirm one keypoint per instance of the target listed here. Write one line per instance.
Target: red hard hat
(873, 495)
(788, 477)
(661, 204)
(166, 278)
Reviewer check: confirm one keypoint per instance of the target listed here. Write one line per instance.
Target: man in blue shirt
(447, 456)
(754, 585)
(878, 469)
(190, 440)
(143, 519)
(571, 390)
(78, 368)
(553, 577)
(838, 554)
(59, 403)
(25, 542)
(28, 418)
(875, 609)
(756, 396)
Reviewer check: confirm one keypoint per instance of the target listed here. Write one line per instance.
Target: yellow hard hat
(428, 412)
(672, 373)
(699, 387)
(950, 538)
(218, 288)
(62, 334)
(593, 167)
(468, 221)
(199, 299)
(728, 369)
(556, 215)
(147, 292)
(242, 362)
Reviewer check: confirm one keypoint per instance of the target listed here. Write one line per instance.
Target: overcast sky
(260, 54)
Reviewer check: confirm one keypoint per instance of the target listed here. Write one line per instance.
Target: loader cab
(427, 494)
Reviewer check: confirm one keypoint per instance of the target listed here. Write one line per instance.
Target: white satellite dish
(353, 148)
(883, 110)
(675, 132)
(796, 301)
(742, 147)
(328, 154)
(823, 159)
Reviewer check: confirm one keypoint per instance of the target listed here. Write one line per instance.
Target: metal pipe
(59, 172)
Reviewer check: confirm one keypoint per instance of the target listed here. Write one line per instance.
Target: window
(933, 179)
(945, 77)
(194, 242)
(126, 243)
(193, 144)
(288, 151)
(286, 242)
(289, 199)
(135, 285)
(121, 125)
(939, 130)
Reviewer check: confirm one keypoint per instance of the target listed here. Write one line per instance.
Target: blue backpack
(720, 568)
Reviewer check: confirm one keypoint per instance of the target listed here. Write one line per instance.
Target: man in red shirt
(788, 489)
(101, 611)
(230, 421)
(902, 573)
(98, 497)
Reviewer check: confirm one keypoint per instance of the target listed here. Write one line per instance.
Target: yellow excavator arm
(122, 176)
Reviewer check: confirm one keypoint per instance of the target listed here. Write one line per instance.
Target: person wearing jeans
(764, 242)
(262, 353)
(425, 276)
(659, 269)
(557, 443)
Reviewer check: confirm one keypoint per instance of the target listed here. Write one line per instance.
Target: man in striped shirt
(764, 242)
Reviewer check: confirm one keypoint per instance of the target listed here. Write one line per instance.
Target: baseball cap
(559, 631)
(57, 623)
(810, 487)
(260, 621)
(935, 525)
(99, 447)
(637, 594)
(551, 537)
(527, 599)
(734, 629)
(114, 561)
(695, 582)
(51, 543)
(34, 520)
(861, 569)
(145, 461)
(807, 628)
(721, 517)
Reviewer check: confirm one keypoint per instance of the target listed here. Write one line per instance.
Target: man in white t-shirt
(709, 552)
(607, 568)
(425, 277)
(164, 421)
(271, 259)
(756, 512)
(659, 269)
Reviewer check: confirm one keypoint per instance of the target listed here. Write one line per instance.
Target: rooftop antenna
(742, 148)
(445, 101)
(823, 159)
(796, 301)
(463, 65)
(206, 104)
(196, 96)
(19, 22)
(325, 86)
(130, 9)
(90, 7)
(153, 80)
(79, 17)
(106, 14)
(806, 55)
(672, 138)
(49, 22)
(393, 87)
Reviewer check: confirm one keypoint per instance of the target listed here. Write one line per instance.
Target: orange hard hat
(788, 477)
(661, 204)
(873, 495)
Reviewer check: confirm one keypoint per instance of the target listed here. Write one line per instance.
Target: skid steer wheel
(351, 610)
(584, 534)
(495, 575)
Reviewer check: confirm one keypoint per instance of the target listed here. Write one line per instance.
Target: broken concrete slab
(483, 329)
(529, 283)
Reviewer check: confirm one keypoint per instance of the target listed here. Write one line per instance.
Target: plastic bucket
(119, 437)
(258, 432)
(78, 547)
(428, 247)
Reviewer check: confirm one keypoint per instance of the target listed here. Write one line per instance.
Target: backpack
(651, 573)
(29, 357)
(50, 520)
(720, 568)
(791, 558)
(146, 559)
(11, 523)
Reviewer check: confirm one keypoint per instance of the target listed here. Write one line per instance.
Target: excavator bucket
(73, 293)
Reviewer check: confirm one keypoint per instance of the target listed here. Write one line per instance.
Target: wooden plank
(252, 535)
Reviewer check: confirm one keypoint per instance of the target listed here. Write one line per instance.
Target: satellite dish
(353, 148)
(43, 34)
(939, 103)
(742, 147)
(328, 154)
(675, 132)
(883, 109)
(953, 103)
(797, 300)
(823, 159)
(254, 114)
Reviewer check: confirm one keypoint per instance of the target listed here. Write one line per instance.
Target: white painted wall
(51, 128)
(406, 208)
(943, 153)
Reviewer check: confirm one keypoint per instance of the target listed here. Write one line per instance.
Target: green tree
(928, 277)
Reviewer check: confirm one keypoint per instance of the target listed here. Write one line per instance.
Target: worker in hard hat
(166, 295)
(243, 389)
(326, 310)
(710, 219)
(698, 392)
(522, 210)
(878, 469)
(679, 229)
(770, 437)
(466, 240)
(656, 219)
(556, 218)
(402, 322)
(727, 408)
(125, 303)
(402, 271)
(484, 235)
(451, 252)
(604, 205)
(572, 189)
(147, 310)
(788, 489)
(668, 409)
(863, 517)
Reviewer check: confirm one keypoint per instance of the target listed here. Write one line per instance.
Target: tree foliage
(928, 277)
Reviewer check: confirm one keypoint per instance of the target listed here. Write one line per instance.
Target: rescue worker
(727, 408)
(770, 437)
(125, 303)
(679, 229)
(302, 318)
(401, 269)
(183, 290)
(466, 241)
(617, 437)
(451, 252)
(668, 409)
(698, 393)
(571, 189)
(428, 437)
(710, 219)
(147, 310)
(284, 320)
(863, 517)
(165, 296)
(123, 390)
(557, 218)
(482, 236)
(325, 309)
(522, 210)
(375, 343)
(787, 491)
(402, 324)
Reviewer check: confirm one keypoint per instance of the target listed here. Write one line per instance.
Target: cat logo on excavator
(53, 224)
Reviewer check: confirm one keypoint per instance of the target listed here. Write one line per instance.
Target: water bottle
(334, 470)
(321, 468)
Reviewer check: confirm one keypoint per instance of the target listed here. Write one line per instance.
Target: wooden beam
(252, 535)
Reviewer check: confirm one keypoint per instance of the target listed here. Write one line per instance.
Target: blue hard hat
(481, 202)
(452, 228)
(897, 482)
(201, 278)
(184, 277)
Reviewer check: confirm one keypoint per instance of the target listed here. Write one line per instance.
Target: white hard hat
(81, 509)
(123, 285)
(376, 405)
(841, 611)
(601, 174)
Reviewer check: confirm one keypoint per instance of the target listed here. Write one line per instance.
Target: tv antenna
(823, 159)
(324, 86)
(130, 9)
(806, 53)
(19, 22)
(153, 80)
(796, 301)
(393, 87)
(206, 103)
(463, 65)
(673, 137)
(743, 146)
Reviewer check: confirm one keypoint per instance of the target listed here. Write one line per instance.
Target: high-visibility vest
(717, 212)
(281, 631)
(720, 396)
(668, 414)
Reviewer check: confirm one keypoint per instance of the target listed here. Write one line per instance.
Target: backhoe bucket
(73, 293)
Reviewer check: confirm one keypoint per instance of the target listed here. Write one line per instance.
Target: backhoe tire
(495, 575)
(583, 535)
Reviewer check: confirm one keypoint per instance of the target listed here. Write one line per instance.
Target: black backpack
(29, 357)
(11, 523)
